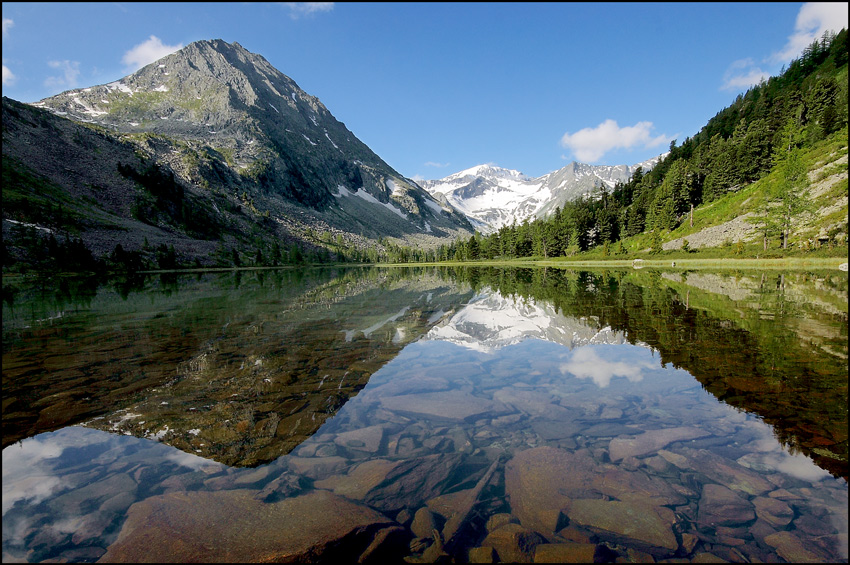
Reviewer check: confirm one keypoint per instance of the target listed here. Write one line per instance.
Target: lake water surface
(424, 415)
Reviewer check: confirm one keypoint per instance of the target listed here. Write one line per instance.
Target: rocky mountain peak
(214, 99)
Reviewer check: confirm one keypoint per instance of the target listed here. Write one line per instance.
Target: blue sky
(437, 88)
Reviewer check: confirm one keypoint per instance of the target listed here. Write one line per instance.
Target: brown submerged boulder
(545, 483)
(232, 527)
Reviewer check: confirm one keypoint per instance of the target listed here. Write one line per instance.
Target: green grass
(138, 104)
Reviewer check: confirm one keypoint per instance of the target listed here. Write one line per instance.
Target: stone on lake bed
(481, 555)
(651, 441)
(792, 549)
(498, 520)
(424, 523)
(316, 467)
(231, 526)
(449, 405)
(413, 480)
(448, 505)
(542, 483)
(513, 543)
(609, 429)
(536, 403)
(773, 511)
(638, 523)
(720, 506)
(553, 429)
(727, 472)
(363, 439)
(564, 553)
(360, 480)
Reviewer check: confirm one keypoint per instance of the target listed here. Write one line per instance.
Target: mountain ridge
(494, 197)
(217, 127)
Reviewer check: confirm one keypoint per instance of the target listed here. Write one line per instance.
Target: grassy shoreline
(672, 263)
(724, 263)
(676, 263)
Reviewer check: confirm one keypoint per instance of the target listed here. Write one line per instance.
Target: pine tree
(790, 198)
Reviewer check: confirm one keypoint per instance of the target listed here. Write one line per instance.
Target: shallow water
(475, 414)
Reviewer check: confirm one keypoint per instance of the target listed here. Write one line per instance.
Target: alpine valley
(211, 156)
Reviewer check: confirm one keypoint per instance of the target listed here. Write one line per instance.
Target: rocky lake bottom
(505, 432)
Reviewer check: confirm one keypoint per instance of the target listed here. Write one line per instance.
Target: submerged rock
(564, 553)
(482, 555)
(362, 439)
(360, 480)
(773, 511)
(412, 481)
(792, 549)
(727, 472)
(513, 543)
(634, 523)
(542, 482)
(720, 506)
(651, 441)
(232, 526)
(449, 405)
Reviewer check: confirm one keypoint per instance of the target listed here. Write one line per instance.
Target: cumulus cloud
(7, 25)
(813, 20)
(743, 74)
(591, 144)
(8, 76)
(299, 9)
(587, 364)
(147, 52)
(438, 165)
(68, 79)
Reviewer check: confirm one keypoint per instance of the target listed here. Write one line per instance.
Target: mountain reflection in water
(522, 415)
(235, 371)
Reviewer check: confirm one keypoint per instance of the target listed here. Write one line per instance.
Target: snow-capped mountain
(491, 321)
(492, 197)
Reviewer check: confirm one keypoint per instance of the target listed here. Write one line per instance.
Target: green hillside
(767, 176)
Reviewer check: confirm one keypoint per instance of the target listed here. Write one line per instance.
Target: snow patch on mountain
(492, 197)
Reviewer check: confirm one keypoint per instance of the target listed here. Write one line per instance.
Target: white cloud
(587, 364)
(7, 25)
(8, 76)
(147, 52)
(590, 144)
(298, 9)
(438, 165)
(813, 20)
(743, 74)
(70, 72)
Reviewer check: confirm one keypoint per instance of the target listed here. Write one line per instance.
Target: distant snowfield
(493, 197)
(505, 198)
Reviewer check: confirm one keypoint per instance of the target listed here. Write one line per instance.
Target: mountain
(493, 197)
(229, 130)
